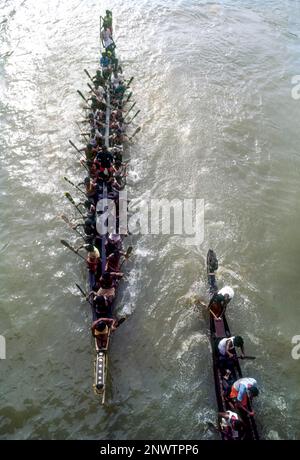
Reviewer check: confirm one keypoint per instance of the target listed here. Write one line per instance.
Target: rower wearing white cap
(219, 301)
(113, 243)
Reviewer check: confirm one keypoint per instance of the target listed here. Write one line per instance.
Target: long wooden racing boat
(218, 330)
(109, 95)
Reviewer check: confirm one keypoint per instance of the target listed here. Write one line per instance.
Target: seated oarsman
(107, 20)
(231, 424)
(113, 243)
(99, 128)
(101, 307)
(113, 261)
(88, 205)
(98, 79)
(242, 392)
(100, 115)
(105, 160)
(97, 103)
(107, 73)
(118, 91)
(90, 188)
(117, 153)
(107, 285)
(100, 330)
(106, 38)
(219, 301)
(89, 227)
(120, 173)
(104, 60)
(115, 80)
(227, 345)
(226, 351)
(117, 138)
(93, 257)
(90, 152)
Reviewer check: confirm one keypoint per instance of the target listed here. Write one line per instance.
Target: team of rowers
(106, 177)
(237, 393)
(107, 174)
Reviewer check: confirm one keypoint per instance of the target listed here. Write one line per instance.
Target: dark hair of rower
(101, 326)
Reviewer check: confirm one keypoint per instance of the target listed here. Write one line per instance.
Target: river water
(213, 82)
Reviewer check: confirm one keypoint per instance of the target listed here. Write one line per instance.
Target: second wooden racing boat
(218, 330)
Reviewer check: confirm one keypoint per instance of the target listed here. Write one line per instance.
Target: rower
(90, 152)
(101, 307)
(242, 392)
(106, 38)
(98, 79)
(101, 328)
(90, 188)
(113, 243)
(89, 226)
(231, 424)
(219, 301)
(113, 261)
(227, 345)
(104, 61)
(107, 20)
(93, 257)
(107, 285)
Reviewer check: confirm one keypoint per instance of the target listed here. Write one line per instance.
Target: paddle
(129, 110)
(102, 102)
(246, 357)
(88, 75)
(69, 197)
(199, 302)
(128, 122)
(128, 98)
(128, 84)
(128, 252)
(81, 290)
(76, 148)
(127, 255)
(81, 133)
(66, 220)
(70, 182)
(135, 132)
(80, 94)
(120, 321)
(67, 245)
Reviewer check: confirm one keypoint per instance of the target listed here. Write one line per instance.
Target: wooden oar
(127, 255)
(135, 132)
(69, 197)
(128, 84)
(81, 133)
(67, 245)
(88, 75)
(199, 302)
(128, 122)
(66, 220)
(121, 320)
(74, 185)
(129, 110)
(128, 98)
(80, 94)
(246, 357)
(84, 294)
(76, 148)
